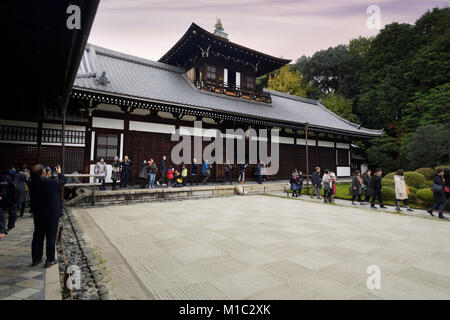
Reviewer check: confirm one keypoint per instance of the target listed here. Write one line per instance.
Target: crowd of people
(152, 175)
(41, 190)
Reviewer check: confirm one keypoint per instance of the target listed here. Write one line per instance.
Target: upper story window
(249, 83)
(211, 72)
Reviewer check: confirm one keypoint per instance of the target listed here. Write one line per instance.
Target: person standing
(125, 166)
(101, 169)
(357, 185)
(162, 171)
(143, 174)
(300, 183)
(184, 173)
(375, 187)
(227, 173)
(206, 171)
(438, 194)
(327, 186)
(194, 172)
(47, 209)
(170, 175)
(21, 181)
(258, 172)
(333, 185)
(151, 173)
(366, 182)
(241, 168)
(317, 183)
(115, 173)
(10, 197)
(401, 190)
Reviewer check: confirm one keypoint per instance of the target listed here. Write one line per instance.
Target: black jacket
(162, 166)
(194, 169)
(46, 197)
(439, 197)
(366, 180)
(315, 179)
(375, 183)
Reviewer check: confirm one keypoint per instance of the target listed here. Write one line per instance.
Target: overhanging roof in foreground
(137, 78)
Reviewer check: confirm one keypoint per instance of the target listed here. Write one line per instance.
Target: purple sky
(283, 28)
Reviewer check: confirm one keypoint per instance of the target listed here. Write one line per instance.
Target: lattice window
(342, 157)
(15, 133)
(211, 72)
(54, 136)
(249, 83)
(107, 146)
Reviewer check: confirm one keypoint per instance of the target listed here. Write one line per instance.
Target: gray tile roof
(159, 82)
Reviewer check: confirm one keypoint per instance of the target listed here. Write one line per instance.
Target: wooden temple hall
(125, 105)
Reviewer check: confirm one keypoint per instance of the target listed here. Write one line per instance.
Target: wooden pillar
(307, 158)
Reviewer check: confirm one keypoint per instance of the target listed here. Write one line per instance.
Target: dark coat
(153, 168)
(46, 197)
(126, 167)
(356, 184)
(162, 166)
(439, 197)
(315, 179)
(366, 180)
(241, 167)
(258, 169)
(19, 181)
(143, 174)
(194, 169)
(375, 183)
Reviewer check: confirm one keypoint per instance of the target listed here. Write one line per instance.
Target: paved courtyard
(263, 247)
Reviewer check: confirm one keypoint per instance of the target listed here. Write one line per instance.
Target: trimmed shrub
(388, 193)
(412, 196)
(390, 175)
(442, 167)
(428, 183)
(414, 179)
(388, 182)
(412, 190)
(425, 196)
(424, 186)
(428, 173)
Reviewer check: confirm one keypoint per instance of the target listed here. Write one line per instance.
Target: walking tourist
(125, 166)
(194, 172)
(101, 169)
(317, 183)
(447, 186)
(294, 182)
(401, 190)
(357, 186)
(162, 171)
(143, 174)
(71, 192)
(438, 194)
(152, 168)
(375, 189)
(47, 209)
(333, 185)
(241, 168)
(206, 171)
(115, 173)
(327, 186)
(300, 183)
(366, 181)
(178, 179)
(227, 173)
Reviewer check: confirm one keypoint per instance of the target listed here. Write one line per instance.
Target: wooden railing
(232, 90)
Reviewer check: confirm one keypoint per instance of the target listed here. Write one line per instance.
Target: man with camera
(45, 192)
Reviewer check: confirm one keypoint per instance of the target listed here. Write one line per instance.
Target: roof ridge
(290, 96)
(132, 58)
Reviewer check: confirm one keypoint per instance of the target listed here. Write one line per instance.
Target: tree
(428, 147)
(339, 105)
(289, 80)
(384, 153)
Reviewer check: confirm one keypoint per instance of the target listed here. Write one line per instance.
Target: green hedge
(388, 182)
(424, 186)
(414, 179)
(428, 173)
(442, 167)
(390, 175)
(412, 189)
(388, 193)
(412, 197)
(428, 183)
(425, 196)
